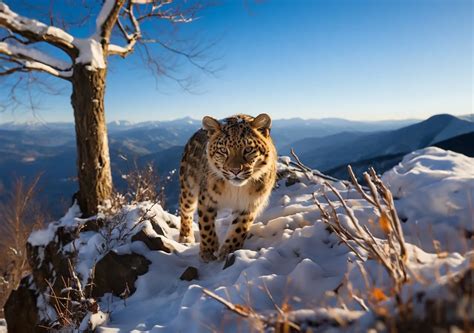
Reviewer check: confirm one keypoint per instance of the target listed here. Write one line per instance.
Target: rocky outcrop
(53, 261)
(117, 274)
(21, 312)
(153, 243)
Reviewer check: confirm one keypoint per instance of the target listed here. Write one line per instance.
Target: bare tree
(29, 45)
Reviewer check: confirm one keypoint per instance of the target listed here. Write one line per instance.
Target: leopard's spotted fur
(229, 164)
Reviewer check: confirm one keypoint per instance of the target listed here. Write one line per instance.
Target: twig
(237, 309)
(392, 257)
(305, 169)
(358, 187)
(248, 313)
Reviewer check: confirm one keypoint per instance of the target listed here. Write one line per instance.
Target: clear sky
(356, 59)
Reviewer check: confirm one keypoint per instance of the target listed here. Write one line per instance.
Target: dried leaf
(286, 307)
(378, 295)
(384, 223)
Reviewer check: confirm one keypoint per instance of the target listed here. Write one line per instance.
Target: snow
(29, 56)
(90, 49)
(90, 53)
(34, 54)
(439, 182)
(60, 34)
(22, 23)
(103, 14)
(42, 237)
(289, 259)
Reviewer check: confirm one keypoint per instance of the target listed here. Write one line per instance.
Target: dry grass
(19, 215)
(72, 304)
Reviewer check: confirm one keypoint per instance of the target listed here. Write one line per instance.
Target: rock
(229, 261)
(93, 225)
(291, 180)
(191, 273)
(153, 243)
(48, 261)
(117, 274)
(21, 312)
(156, 226)
(289, 176)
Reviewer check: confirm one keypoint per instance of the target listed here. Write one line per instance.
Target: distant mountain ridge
(463, 144)
(325, 154)
(28, 149)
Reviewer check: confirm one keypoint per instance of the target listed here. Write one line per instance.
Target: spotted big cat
(228, 164)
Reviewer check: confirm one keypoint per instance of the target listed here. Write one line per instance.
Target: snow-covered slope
(435, 192)
(291, 263)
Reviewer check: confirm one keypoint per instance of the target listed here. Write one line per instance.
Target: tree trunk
(93, 161)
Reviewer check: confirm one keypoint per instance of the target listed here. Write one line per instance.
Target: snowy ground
(290, 260)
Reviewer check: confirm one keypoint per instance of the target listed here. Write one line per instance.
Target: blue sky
(353, 59)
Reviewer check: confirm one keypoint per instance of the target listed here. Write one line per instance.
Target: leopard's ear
(210, 124)
(262, 123)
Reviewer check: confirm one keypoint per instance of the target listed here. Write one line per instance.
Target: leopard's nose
(235, 171)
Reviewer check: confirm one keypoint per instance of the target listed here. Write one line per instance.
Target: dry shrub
(19, 216)
(144, 184)
(73, 305)
(391, 251)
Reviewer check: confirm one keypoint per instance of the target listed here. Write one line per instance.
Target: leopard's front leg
(237, 233)
(207, 212)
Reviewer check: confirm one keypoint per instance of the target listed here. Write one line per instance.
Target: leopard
(228, 164)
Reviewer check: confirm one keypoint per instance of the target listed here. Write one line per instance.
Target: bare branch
(305, 169)
(174, 14)
(10, 70)
(391, 252)
(241, 311)
(358, 186)
(131, 39)
(107, 19)
(33, 59)
(34, 30)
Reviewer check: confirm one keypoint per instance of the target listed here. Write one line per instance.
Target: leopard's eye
(222, 150)
(248, 150)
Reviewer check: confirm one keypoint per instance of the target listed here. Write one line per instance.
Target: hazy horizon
(132, 122)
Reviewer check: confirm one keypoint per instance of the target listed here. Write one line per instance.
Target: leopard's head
(240, 147)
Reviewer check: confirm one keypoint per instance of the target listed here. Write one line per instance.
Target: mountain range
(326, 144)
(343, 148)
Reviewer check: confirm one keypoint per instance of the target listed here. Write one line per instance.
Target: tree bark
(93, 161)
